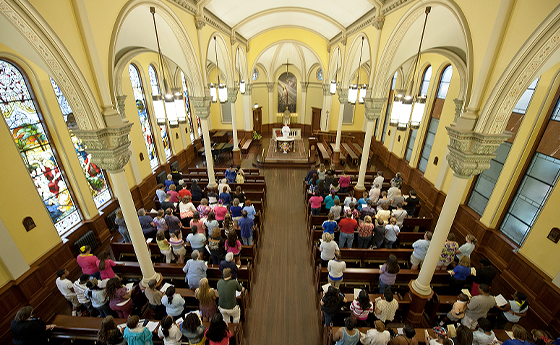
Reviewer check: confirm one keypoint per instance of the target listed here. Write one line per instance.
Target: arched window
(143, 114)
(444, 82)
(426, 81)
(96, 178)
(31, 136)
(523, 103)
(154, 83)
(188, 106)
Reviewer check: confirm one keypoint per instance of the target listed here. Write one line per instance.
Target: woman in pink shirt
(233, 245)
(344, 182)
(315, 204)
(106, 266)
(198, 222)
(88, 262)
(220, 212)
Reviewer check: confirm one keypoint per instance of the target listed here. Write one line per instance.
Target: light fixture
(221, 88)
(334, 81)
(256, 105)
(354, 89)
(396, 110)
(166, 101)
(241, 81)
(213, 93)
(412, 108)
(179, 105)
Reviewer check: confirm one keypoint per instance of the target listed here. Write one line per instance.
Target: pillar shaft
(208, 153)
(365, 156)
(445, 220)
(122, 192)
(247, 111)
(270, 103)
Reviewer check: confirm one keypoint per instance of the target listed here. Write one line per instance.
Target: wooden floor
(283, 308)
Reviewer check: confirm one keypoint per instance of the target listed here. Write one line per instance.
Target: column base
(146, 281)
(336, 158)
(415, 316)
(236, 156)
(359, 189)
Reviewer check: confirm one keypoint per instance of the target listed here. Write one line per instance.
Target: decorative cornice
(120, 106)
(304, 85)
(342, 95)
(189, 6)
(199, 22)
(458, 108)
(201, 105)
(108, 146)
(232, 93)
(470, 152)
(378, 22)
(362, 22)
(388, 8)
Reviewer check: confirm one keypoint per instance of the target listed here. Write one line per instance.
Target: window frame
(440, 81)
(167, 128)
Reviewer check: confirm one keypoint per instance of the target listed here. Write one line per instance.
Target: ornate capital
(248, 89)
(201, 106)
(304, 86)
(232, 93)
(120, 105)
(378, 22)
(342, 94)
(108, 146)
(326, 89)
(270, 87)
(458, 108)
(470, 152)
(373, 107)
(199, 22)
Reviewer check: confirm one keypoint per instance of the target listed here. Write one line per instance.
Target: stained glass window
(154, 83)
(255, 74)
(94, 175)
(32, 140)
(188, 106)
(143, 114)
(320, 74)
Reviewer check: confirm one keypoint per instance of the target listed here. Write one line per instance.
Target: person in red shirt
(183, 192)
(315, 204)
(347, 226)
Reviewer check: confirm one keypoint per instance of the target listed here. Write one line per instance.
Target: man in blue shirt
(246, 224)
(420, 250)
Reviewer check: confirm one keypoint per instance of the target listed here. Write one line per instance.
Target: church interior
(103, 99)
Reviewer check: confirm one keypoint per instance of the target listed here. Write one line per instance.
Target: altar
(285, 144)
(285, 138)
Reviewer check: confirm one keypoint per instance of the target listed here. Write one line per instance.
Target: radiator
(87, 240)
(110, 221)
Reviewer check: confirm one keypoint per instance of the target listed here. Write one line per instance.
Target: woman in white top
(336, 269)
(186, 210)
(513, 310)
(467, 248)
(376, 336)
(327, 248)
(169, 331)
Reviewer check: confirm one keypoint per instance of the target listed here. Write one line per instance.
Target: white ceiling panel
(268, 21)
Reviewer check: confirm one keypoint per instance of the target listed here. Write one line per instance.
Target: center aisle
(283, 306)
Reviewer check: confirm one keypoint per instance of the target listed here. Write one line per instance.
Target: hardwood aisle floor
(283, 309)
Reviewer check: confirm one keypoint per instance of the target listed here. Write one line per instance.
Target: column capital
(108, 146)
(120, 105)
(304, 85)
(378, 22)
(270, 86)
(470, 152)
(458, 108)
(232, 93)
(326, 89)
(342, 94)
(199, 22)
(201, 106)
(373, 107)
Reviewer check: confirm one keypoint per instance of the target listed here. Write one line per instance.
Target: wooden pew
(246, 145)
(404, 239)
(85, 328)
(174, 272)
(409, 224)
(220, 171)
(350, 153)
(367, 257)
(326, 157)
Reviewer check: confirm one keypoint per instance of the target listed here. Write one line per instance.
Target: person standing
(147, 224)
(391, 233)
(379, 234)
(347, 226)
(88, 262)
(336, 268)
(330, 303)
(29, 330)
(379, 179)
(229, 263)
(246, 224)
(206, 297)
(388, 273)
(365, 232)
(98, 298)
(420, 250)
(315, 201)
(136, 334)
(228, 302)
(378, 335)
(123, 230)
(195, 270)
(484, 275)
(344, 182)
(66, 288)
(169, 331)
(154, 297)
(327, 248)
(386, 307)
(478, 307)
(513, 310)
(173, 302)
(119, 298)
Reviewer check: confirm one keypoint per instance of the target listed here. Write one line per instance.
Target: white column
(343, 99)
(247, 108)
(208, 153)
(365, 155)
(445, 220)
(304, 86)
(232, 98)
(10, 255)
(443, 169)
(122, 192)
(133, 163)
(270, 103)
(326, 111)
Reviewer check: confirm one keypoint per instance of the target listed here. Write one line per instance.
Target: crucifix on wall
(287, 94)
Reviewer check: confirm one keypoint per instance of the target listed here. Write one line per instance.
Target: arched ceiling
(252, 17)
(296, 54)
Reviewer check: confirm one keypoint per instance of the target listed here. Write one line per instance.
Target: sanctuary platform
(285, 151)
